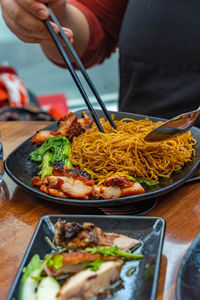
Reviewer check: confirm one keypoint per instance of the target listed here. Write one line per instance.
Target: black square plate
(142, 284)
(21, 169)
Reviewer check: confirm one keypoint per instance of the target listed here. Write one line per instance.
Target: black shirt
(160, 57)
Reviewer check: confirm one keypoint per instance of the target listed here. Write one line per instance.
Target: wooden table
(20, 212)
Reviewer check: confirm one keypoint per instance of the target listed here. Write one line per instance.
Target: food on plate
(70, 185)
(78, 161)
(51, 152)
(68, 126)
(83, 187)
(73, 235)
(74, 262)
(86, 284)
(123, 151)
(78, 272)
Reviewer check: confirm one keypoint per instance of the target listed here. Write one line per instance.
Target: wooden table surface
(20, 212)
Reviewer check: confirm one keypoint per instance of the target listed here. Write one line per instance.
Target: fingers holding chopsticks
(24, 17)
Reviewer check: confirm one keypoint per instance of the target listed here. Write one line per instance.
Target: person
(159, 45)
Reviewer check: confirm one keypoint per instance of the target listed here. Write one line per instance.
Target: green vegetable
(33, 286)
(51, 244)
(66, 153)
(46, 167)
(34, 264)
(56, 262)
(60, 147)
(52, 151)
(94, 266)
(131, 271)
(47, 289)
(139, 180)
(68, 163)
(29, 280)
(114, 251)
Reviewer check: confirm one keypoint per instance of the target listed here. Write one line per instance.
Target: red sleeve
(104, 19)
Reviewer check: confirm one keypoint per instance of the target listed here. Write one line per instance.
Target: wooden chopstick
(80, 66)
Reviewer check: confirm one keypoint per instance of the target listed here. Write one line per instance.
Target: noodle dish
(78, 161)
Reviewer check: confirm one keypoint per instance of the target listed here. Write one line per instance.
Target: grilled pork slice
(76, 236)
(87, 284)
(68, 126)
(116, 187)
(76, 183)
(74, 262)
(75, 172)
(65, 187)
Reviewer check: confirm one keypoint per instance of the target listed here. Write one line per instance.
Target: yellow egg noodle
(123, 151)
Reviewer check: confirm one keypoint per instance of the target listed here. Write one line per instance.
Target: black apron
(160, 57)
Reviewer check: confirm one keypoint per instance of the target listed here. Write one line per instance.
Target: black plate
(142, 284)
(188, 282)
(21, 169)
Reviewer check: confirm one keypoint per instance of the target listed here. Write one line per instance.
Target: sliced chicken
(74, 262)
(76, 236)
(87, 283)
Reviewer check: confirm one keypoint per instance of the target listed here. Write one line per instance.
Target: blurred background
(42, 77)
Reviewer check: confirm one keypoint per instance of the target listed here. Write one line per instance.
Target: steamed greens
(53, 151)
(113, 251)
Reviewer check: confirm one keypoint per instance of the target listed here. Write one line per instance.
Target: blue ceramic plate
(21, 169)
(142, 284)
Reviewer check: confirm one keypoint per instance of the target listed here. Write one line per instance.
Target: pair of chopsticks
(73, 72)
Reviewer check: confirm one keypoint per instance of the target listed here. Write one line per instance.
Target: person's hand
(24, 19)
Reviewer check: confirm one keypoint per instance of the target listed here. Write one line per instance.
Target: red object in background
(13, 91)
(54, 104)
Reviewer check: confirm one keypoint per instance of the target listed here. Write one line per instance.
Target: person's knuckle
(16, 15)
(40, 27)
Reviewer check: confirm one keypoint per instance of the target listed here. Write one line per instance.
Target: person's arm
(24, 17)
(92, 25)
(104, 18)
(73, 19)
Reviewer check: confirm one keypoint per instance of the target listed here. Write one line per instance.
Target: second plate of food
(138, 277)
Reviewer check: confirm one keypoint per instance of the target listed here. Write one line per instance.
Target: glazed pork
(64, 187)
(42, 135)
(86, 284)
(73, 182)
(76, 236)
(66, 182)
(68, 126)
(116, 187)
